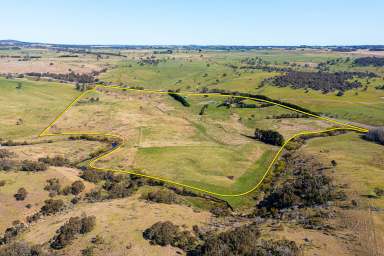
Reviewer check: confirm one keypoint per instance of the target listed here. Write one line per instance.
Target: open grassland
(213, 151)
(120, 223)
(190, 71)
(73, 150)
(360, 163)
(44, 60)
(34, 183)
(359, 170)
(27, 110)
(355, 105)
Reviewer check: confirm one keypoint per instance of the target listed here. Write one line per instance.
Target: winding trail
(92, 163)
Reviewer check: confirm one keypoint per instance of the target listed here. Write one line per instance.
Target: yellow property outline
(91, 164)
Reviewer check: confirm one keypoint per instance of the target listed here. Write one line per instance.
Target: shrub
(77, 187)
(179, 98)
(52, 206)
(68, 232)
(6, 164)
(326, 82)
(269, 137)
(166, 233)
(12, 232)
(379, 191)
(244, 240)
(2, 183)
(21, 194)
(376, 135)
(31, 166)
(53, 185)
(305, 185)
(92, 175)
(162, 196)
(55, 161)
(21, 249)
(5, 153)
(369, 61)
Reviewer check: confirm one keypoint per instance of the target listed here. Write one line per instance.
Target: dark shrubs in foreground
(166, 233)
(68, 232)
(243, 240)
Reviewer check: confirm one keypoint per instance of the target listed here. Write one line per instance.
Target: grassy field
(166, 140)
(120, 223)
(193, 71)
(28, 110)
(212, 151)
(359, 171)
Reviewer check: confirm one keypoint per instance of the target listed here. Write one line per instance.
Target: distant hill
(16, 43)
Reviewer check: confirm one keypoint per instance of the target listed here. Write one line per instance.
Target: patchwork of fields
(208, 144)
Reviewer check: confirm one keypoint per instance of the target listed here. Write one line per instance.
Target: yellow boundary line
(93, 161)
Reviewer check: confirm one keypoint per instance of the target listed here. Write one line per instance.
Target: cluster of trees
(54, 161)
(83, 78)
(54, 187)
(380, 87)
(68, 232)
(166, 233)
(256, 97)
(162, 196)
(256, 61)
(148, 61)
(376, 135)
(326, 82)
(244, 240)
(6, 163)
(307, 186)
(239, 103)
(369, 61)
(288, 115)
(203, 109)
(70, 77)
(269, 137)
(114, 185)
(12, 232)
(52, 206)
(179, 98)
(21, 249)
(33, 166)
(21, 194)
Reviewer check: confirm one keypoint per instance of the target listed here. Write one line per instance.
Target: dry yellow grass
(121, 223)
(34, 183)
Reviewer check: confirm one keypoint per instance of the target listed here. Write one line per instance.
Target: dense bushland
(32, 166)
(54, 161)
(303, 183)
(21, 249)
(244, 240)
(166, 233)
(322, 81)
(269, 137)
(376, 135)
(162, 196)
(369, 61)
(68, 232)
(179, 98)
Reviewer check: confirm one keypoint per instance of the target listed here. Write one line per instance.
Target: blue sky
(237, 22)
